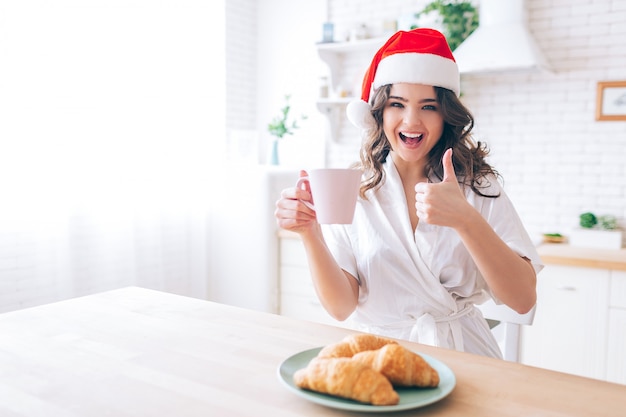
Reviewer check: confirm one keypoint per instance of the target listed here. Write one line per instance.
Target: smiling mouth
(411, 138)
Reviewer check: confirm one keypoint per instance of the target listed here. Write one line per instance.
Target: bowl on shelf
(553, 238)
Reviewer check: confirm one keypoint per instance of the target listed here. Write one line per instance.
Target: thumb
(448, 167)
(303, 182)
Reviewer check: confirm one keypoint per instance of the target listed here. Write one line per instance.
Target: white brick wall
(241, 63)
(556, 160)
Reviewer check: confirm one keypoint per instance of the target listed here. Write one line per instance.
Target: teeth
(412, 135)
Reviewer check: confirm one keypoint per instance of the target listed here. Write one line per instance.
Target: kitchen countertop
(560, 254)
(564, 254)
(139, 352)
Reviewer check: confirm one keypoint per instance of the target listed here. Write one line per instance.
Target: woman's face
(412, 121)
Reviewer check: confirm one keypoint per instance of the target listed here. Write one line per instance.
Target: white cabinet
(580, 324)
(616, 355)
(297, 294)
(571, 328)
(347, 63)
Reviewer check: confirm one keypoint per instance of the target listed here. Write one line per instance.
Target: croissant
(348, 379)
(352, 344)
(400, 365)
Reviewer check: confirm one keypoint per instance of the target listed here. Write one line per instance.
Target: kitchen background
(120, 164)
(556, 159)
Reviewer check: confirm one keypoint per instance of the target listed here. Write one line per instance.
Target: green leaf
(459, 18)
(607, 222)
(280, 126)
(588, 220)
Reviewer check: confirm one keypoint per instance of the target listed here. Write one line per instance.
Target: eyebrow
(425, 100)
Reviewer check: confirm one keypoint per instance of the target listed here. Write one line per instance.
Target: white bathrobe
(422, 286)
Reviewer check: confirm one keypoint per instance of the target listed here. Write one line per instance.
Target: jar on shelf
(323, 87)
(342, 92)
(359, 33)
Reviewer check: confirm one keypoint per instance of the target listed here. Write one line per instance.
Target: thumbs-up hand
(441, 203)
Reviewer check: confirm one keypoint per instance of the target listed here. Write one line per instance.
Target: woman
(433, 232)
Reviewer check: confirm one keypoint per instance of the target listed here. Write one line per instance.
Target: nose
(412, 117)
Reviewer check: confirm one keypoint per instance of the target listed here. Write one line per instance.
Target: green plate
(409, 397)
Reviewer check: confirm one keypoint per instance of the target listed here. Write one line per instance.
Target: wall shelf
(334, 54)
(358, 45)
(334, 109)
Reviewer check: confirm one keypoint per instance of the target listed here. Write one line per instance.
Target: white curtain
(109, 127)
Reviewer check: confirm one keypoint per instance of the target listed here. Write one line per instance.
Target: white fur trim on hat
(360, 114)
(418, 68)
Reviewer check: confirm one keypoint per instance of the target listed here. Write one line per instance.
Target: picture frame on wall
(611, 100)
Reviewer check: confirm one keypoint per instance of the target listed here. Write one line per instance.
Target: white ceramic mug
(335, 191)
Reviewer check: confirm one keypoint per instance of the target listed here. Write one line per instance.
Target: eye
(430, 107)
(396, 104)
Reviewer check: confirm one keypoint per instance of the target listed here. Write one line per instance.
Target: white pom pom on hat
(360, 114)
(418, 56)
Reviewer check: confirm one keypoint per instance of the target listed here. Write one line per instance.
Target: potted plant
(279, 127)
(597, 232)
(459, 19)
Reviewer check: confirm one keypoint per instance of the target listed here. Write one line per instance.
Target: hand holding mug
(334, 191)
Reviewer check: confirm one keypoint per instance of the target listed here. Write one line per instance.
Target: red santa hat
(419, 56)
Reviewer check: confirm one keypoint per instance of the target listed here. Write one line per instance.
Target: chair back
(507, 332)
(506, 314)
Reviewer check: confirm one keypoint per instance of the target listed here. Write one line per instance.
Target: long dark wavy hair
(468, 156)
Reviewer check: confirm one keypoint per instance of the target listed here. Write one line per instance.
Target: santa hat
(419, 56)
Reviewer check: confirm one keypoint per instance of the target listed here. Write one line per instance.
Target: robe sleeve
(338, 242)
(505, 221)
(507, 224)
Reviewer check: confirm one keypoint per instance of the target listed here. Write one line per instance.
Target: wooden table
(138, 352)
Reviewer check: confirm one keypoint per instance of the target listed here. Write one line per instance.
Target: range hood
(502, 41)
